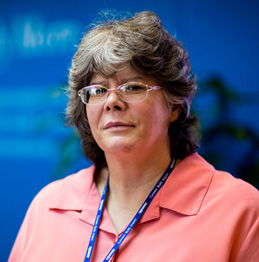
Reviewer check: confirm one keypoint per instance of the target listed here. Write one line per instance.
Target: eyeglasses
(129, 92)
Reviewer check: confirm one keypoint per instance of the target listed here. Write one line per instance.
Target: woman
(148, 196)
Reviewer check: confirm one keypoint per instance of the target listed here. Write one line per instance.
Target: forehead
(124, 74)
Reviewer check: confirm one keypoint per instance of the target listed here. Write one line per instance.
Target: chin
(118, 147)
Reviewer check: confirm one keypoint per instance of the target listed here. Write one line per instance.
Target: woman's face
(119, 127)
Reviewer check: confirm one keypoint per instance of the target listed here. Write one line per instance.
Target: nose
(113, 101)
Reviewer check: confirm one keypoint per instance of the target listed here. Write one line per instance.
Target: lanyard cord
(142, 209)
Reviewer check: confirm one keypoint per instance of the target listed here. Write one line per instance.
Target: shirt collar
(183, 192)
(187, 186)
(73, 191)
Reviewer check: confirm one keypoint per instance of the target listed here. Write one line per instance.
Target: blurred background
(37, 42)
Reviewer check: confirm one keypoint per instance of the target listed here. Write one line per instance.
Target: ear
(175, 112)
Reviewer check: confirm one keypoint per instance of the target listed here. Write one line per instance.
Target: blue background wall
(37, 42)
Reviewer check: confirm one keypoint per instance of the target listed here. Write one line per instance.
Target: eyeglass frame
(149, 88)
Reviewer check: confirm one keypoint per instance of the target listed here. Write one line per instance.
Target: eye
(97, 91)
(133, 88)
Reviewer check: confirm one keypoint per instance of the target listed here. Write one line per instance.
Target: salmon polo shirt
(199, 215)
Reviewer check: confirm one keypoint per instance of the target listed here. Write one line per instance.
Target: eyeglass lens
(132, 92)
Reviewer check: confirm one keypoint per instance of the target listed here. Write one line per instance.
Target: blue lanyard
(142, 209)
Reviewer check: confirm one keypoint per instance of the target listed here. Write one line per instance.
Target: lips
(117, 124)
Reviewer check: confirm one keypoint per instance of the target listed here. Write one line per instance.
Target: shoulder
(235, 189)
(232, 207)
(221, 189)
(234, 203)
(238, 202)
(67, 192)
(222, 184)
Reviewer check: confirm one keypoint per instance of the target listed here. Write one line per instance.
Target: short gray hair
(142, 42)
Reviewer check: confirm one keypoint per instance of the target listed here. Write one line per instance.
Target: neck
(131, 180)
(135, 172)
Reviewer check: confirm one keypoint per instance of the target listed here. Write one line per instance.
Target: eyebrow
(123, 80)
(134, 78)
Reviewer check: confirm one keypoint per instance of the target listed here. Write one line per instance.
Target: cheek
(155, 118)
(92, 119)
(161, 113)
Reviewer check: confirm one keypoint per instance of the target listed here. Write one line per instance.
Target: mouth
(117, 125)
